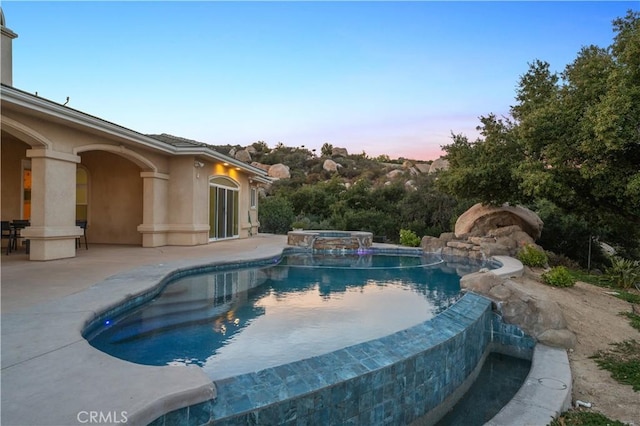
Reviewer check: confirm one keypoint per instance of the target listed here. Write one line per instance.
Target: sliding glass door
(223, 208)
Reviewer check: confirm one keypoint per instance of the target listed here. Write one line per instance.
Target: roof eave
(44, 106)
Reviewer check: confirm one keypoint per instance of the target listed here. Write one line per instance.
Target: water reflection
(235, 321)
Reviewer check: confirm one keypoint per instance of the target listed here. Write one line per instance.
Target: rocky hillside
(303, 166)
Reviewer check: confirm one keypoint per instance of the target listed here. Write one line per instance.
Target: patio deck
(51, 376)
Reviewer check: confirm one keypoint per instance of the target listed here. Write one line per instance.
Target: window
(253, 198)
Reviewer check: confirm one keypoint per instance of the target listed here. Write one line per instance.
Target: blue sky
(391, 78)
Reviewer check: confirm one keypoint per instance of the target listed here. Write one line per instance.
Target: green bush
(623, 273)
(409, 238)
(275, 215)
(531, 256)
(558, 276)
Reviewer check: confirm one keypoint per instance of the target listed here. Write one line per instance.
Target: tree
(573, 139)
(326, 149)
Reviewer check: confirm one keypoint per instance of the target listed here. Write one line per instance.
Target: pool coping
(48, 388)
(544, 395)
(510, 267)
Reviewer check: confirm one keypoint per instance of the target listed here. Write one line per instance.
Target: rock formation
(482, 232)
(542, 319)
(439, 164)
(330, 165)
(339, 152)
(481, 218)
(279, 171)
(423, 167)
(264, 167)
(506, 241)
(394, 174)
(243, 155)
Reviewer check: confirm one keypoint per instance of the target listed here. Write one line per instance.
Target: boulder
(563, 338)
(447, 236)
(330, 165)
(279, 171)
(264, 167)
(422, 167)
(251, 149)
(548, 316)
(243, 155)
(480, 282)
(500, 292)
(339, 152)
(394, 174)
(481, 219)
(406, 164)
(494, 249)
(432, 244)
(439, 164)
(540, 318)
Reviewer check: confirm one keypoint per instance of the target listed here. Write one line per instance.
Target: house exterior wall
(115, 199)
(140, 191)
(12, 152)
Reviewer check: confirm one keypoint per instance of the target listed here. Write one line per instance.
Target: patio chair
(82, 224)
(18, 225)
(7, 233)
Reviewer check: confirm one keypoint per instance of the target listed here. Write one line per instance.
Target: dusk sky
(393, 78)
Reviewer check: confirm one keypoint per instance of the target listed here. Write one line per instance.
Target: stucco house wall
(12, 151)
(115, 199)
(140, 190)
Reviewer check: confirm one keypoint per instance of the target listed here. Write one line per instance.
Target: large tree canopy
(572, 139)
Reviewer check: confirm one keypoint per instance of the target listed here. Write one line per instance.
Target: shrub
(623, 273)
(275, 215)
(562, 260)
(558, 276)
(532, 256)
(409, 238)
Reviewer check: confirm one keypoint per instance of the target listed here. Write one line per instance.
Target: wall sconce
(198, 165)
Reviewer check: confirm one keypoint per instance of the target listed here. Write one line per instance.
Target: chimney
(6, 58)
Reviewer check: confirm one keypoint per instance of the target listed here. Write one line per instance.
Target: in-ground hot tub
(330, 240)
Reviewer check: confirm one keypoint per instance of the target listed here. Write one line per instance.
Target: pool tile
(390, 380)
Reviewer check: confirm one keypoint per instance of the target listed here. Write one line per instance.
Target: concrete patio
(52, 376)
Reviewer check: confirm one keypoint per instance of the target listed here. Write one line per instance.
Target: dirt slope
(594, 316)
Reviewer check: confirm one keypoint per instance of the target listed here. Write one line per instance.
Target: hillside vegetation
(570, 151)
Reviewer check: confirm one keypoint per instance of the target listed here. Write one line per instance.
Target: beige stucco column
(52, 233)
(154, 209)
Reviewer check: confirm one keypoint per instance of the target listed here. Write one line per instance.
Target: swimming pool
(233, 321)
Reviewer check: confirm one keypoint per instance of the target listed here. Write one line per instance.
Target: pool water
(499, 380)
(241, 320)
